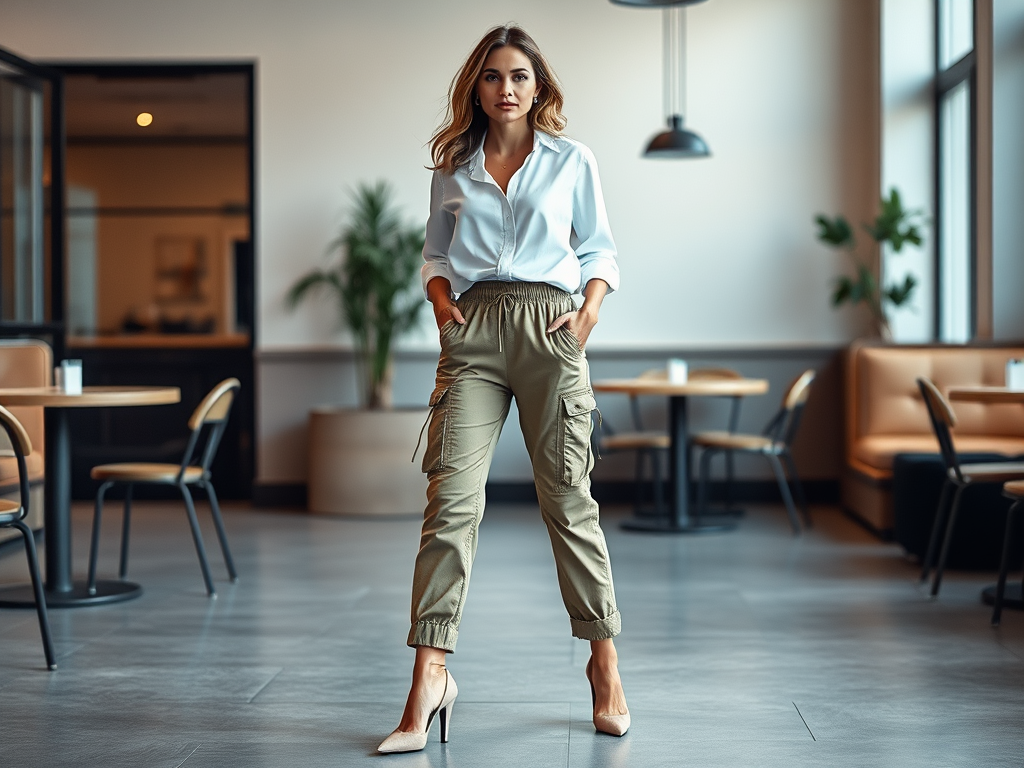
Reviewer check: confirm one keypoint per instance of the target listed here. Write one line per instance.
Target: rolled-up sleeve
(440, 228)
(593, 241)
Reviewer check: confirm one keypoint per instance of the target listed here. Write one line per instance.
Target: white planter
(359, 462)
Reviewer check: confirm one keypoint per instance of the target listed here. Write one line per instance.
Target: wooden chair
(773, 443)
(958, 476)
(652, 445)
(209, 418)
(12, 515)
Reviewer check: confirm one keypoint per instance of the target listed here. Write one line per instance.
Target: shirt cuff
(603, 270)
(429, 271)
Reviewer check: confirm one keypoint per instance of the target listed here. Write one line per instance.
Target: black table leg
(1013, 596)
(61, 590)
(679, 520)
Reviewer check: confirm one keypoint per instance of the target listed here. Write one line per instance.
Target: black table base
(1012, 597)
(107, 591)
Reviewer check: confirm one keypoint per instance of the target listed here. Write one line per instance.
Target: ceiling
(206, 106)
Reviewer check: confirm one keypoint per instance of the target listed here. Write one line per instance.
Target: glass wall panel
(955, 263)
(956, 31)
(21, 198)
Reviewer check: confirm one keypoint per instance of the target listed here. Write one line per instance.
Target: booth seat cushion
(879, 451)
(9, 469)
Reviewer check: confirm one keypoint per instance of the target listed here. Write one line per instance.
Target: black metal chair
(12, 515)
(1012, 490)
(773, 443)
(958, 476)
(209, 419)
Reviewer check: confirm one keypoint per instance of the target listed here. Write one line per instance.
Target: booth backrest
(27, 363)
(886, 398)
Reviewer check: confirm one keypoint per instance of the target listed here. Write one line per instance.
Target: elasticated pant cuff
(602, 629)
(433, 635)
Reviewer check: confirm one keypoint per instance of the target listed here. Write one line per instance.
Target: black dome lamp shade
(676, 142)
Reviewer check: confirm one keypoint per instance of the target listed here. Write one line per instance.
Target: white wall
(717, 252)
(908, 147)
(1008, 169)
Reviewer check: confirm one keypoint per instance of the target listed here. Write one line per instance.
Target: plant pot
(359, 462)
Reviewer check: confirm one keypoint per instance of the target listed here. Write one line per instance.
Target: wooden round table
(61, 590)
(680, 520)
(1013, 596)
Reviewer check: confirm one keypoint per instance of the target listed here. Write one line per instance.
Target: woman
(517, 224)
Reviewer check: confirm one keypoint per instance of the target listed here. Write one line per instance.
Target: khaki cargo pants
(503, 351)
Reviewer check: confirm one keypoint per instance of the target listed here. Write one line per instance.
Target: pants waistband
(488, 291)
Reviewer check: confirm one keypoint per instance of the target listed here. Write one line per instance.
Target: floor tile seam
(264, 686)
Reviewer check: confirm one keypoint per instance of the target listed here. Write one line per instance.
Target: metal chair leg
(659, 487)
(730, 476)
(1004, 564)
(94, 547)
(937, 581)
(801, 498)
(37, 588)
(787, 497)
(218, 521)
(197, 537)
(703, 480)
(126, 526)
(933, 540)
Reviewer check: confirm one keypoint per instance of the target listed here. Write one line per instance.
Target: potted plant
(359, 458)
(894, 225)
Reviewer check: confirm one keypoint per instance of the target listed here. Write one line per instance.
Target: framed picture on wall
(181, 270)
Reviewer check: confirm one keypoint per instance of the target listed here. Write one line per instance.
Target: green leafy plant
(377, 258)
(894, 225)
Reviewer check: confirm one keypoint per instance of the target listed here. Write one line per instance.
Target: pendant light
(676, 142)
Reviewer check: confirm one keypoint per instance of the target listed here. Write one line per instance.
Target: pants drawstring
(505, 301)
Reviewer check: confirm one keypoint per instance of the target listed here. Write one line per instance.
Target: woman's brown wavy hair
(464, 125)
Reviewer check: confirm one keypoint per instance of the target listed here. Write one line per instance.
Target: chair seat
(145, 473)
(734, 442)
(9, 511)
(993, 472)
(1014, 488)
(631, 441)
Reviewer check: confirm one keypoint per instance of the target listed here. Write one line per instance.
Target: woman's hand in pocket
(446, 312)
(579, 324)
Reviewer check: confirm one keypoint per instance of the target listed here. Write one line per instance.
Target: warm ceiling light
(144, 119)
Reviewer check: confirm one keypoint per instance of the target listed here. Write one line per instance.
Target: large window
(956, 148)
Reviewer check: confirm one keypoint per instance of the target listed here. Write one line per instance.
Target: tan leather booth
(885, 414)
(25, 363)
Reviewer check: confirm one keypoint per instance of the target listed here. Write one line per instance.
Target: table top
(91, 397)
(986, 394)
(709, 387)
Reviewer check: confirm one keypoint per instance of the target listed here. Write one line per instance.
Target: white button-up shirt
(551, 226)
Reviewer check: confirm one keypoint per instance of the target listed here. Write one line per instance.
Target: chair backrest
(941, 415)
(213, 411)
(22, 445)
(783, 427)
(703, 374)
(27, 363)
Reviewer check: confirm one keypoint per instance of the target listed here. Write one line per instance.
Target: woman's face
(507, 85)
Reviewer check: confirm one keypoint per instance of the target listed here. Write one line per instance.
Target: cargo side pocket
(434, 457)
(574, 430)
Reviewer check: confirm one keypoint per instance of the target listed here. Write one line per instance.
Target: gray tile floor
(750, 648)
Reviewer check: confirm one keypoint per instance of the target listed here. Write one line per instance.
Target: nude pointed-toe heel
(409, 741)
(614, 725)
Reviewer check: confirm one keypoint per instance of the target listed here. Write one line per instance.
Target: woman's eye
(521, 77)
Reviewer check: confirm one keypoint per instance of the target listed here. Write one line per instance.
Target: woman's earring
(535, 100)
(476, 99)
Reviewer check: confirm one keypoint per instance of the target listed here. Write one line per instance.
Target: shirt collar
(475, 167)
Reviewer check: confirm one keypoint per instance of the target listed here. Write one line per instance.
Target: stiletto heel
(408, 741)
(614, 725)
(446, 718)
